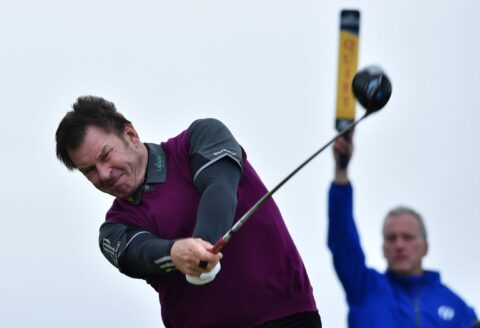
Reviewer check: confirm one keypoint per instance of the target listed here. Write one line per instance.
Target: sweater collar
(156, 172)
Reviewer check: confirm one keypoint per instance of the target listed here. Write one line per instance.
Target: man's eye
(106, 155)
(88, 171)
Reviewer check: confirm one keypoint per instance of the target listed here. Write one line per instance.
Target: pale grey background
(268, 70)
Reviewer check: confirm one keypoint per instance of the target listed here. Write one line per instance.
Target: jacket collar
(425, 277)
(156, 172)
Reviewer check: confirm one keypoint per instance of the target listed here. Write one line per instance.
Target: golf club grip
(218, 245)
(343, 161)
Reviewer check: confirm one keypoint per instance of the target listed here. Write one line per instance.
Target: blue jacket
(383, 299)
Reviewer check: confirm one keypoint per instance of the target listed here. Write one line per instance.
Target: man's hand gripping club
(188, 253)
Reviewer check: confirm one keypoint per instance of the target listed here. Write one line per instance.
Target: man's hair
(86, 111)
(407, 210)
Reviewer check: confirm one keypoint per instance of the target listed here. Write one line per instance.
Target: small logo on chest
(446, 313)
(159, 164)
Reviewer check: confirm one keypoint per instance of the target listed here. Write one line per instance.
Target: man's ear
(425, 252)
(131, 134)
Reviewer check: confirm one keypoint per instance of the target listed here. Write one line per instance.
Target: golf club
(373, 89)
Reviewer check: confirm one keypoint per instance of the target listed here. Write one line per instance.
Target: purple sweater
(262, 277)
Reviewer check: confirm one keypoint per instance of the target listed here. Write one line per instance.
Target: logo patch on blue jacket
(446, 313)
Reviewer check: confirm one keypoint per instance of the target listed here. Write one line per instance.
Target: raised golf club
(372, 89)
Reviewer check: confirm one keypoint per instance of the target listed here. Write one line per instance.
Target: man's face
(403, 244)
(114, 165)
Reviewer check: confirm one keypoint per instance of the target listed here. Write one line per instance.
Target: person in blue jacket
(406, 295)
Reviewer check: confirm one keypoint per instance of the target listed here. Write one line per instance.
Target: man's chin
(400, 269)
(404, 270)
(119, 193)
(124, 195)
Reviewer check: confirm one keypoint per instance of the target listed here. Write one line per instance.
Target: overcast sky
(267, 68)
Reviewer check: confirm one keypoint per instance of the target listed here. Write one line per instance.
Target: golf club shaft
(225, 238)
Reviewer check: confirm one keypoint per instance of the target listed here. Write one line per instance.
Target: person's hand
(187, 253)
(343, 146)
(342, 153)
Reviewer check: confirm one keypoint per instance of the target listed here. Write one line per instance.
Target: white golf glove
(205, 277)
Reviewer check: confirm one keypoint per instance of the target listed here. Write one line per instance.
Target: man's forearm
(147, 255)
(135, 252)
(341, 176)
(218, 184)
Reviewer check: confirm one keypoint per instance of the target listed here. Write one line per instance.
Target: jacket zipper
(416, 306)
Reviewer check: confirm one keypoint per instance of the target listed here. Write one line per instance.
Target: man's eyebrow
(103, 152)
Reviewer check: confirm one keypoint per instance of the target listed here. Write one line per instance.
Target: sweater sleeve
(218, 185)
(344, 242)
(216, 165)
(135, 252)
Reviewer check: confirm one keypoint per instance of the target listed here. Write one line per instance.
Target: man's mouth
(400, 258)
(118, 182)
(114, 182)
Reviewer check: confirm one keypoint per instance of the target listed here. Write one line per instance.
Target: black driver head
(372, 88)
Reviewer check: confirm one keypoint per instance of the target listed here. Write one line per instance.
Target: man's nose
(399, 243)
(104, 173)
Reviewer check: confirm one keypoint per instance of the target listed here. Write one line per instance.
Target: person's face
(113, 164)
(403, 244)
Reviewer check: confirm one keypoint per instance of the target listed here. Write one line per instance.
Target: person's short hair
(407, 210)
(86, 111)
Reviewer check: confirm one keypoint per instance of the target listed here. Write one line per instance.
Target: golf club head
(372, 88)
